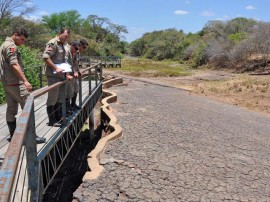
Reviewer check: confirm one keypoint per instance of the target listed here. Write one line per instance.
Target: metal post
(80, 78)
(63, 88)
(31, 159)
(100, 71)
(40, 76)
(89, 79)
(80, 90)
(96, 75)
(91, 127)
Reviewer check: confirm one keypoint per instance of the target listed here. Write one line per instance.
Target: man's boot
(58, 112)
(11, 127)
(51, 115)
(68, 107)
(73, 101)
(40, 140)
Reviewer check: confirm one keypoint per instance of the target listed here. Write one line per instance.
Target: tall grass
(145, 68)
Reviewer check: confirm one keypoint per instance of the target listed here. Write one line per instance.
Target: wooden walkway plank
(42, 130)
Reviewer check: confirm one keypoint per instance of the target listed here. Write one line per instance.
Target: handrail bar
(46, 89)
(25, 126)
(12, 157)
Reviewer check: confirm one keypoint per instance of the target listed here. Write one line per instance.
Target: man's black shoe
(40, 140)
(76, 106)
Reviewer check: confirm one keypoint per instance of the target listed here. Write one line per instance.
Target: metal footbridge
(27, 169)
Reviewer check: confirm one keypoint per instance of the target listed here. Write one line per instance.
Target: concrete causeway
(181, 147)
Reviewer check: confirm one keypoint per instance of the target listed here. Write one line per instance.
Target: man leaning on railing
(72, 88)
(53, 55)
(16, 85)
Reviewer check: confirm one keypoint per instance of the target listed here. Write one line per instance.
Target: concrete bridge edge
(93, 156)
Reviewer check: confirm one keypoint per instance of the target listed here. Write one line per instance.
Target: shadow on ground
(71, 173)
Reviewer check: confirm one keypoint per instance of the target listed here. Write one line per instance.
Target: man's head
(19, 36)
(84, 45)
(64, 35)
(75, 46)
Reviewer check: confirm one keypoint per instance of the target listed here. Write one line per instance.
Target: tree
(159, 45)
(69, 19)
(240, 25)
(7, 7)
(137, 47)
(104, 28)
(38, 33)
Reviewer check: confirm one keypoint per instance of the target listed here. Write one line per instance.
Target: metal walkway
(27, 169)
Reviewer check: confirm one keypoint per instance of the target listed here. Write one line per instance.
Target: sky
(142, 16)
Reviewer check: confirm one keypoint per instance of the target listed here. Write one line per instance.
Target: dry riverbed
(248, 91)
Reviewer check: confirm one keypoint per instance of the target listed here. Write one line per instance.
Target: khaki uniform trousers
(76, 86)
(70, 88)
(15, 95)
(57, 95)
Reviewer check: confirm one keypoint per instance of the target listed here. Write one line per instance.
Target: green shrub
(2, 94)
(32, 64)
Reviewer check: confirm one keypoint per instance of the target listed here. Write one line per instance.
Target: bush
(32, 64)
(2, 94)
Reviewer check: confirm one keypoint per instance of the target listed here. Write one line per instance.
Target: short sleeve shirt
(56, 52)
(71, 59)
(9, 55)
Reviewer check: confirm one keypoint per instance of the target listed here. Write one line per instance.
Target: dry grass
(251, 92)
(150, 68)
(248, 91)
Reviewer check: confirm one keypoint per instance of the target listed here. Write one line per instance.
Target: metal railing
(42, 167)
(106, 61)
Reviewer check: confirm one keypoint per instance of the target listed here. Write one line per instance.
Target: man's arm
(50, 63)
(18, 71)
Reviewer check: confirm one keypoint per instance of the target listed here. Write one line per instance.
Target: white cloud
(250, 7)
(187, 2)
(29, 3)
(223, 18)
(181, 12)
(36, 15)
(41, 13)
(207, 13)
(32, 17)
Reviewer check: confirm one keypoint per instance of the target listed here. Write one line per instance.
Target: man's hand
(28, 86)
(58, 70)
(69, 77)
(18, 71)
(76, 74)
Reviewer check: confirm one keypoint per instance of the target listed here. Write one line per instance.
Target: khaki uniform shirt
(72, 59)
(57, 53)
(9, 55)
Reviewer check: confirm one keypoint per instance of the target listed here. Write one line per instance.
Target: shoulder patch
(12, 49)
(49, 47)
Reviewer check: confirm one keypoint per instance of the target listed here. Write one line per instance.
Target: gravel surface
(181, 147)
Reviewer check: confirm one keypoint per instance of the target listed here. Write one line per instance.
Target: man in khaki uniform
(72, 85)
(16, 85)
(54, 54)
(80, 48)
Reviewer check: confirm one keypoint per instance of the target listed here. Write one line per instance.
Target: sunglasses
(22, 38)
